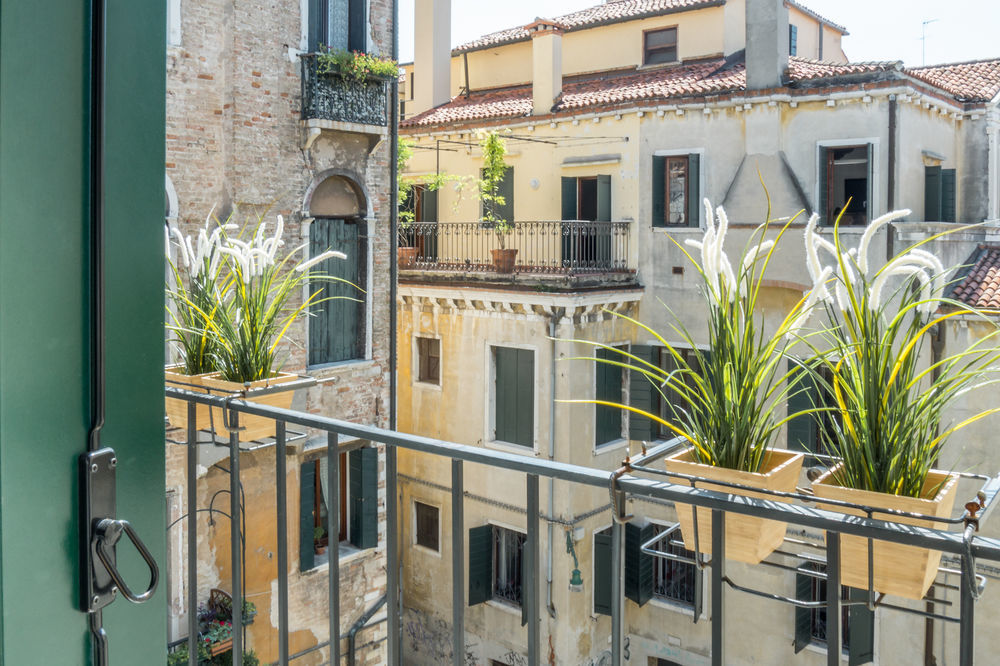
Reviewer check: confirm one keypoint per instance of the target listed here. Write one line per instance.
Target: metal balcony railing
(636, 479)
(573, 247)
(342, 99)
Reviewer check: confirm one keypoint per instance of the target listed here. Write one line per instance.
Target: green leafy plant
(729, 394)
(179, 657)
(494, 149)
(318, 533)
(355, 64)
(888, 404)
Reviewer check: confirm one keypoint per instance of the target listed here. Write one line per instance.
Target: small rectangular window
(427, 520)
(793, 40)
(845, 184)
(818, 615)
(674, 581)
(508, 549)
(659, 46)
(429, 360)
(677, 191)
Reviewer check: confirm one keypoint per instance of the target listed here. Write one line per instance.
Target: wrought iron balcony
(642, 478)
(342, 99)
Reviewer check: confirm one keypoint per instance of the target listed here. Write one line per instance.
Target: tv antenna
(923, 40)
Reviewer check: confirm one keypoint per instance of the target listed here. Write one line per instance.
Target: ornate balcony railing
(342, 99)
(571, 247)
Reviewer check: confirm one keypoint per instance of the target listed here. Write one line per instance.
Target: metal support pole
(617, 593)
(192, 532)
(718, 587)
(333, 542)
(967, 606)
(833, 633)
(235, 537)
(531, 579)
(281, 491)
(457, 564)
(392, 554)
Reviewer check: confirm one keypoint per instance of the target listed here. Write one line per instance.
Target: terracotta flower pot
(177, 410)
(255, 427)
(748, 539)
(503, 260)
(905, 571)
(407, 257)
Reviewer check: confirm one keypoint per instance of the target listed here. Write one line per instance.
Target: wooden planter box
(748, 539)
(218, 648)
(905, 571)
(177, 410)
(255, 427)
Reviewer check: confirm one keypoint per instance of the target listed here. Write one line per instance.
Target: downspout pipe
(557, 314)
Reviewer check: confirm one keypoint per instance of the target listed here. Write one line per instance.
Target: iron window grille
(508, 550)
(674, 581)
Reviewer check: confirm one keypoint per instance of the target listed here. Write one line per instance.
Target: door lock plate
(97, 502)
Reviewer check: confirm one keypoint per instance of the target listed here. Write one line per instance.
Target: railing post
(457, 564)
(392, 556)
(617, 593)
(281, 491)
(192, 527)
(333, 541)
(833, 633)
(235, 535)
(531, 585)
(718, 587)
(967, 610)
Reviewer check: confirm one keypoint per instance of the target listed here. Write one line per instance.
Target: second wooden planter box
(748, 539)
(255, 427)
(905, 571)
(177, 410)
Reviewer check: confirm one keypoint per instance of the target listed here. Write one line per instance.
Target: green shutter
(363, 464)
(307, 521)
(793, 39)
(335, 333)
(430, 236)
(514, 395)
(803, 616)
(429, 206)
(568, 198)
(823, 186)
(802, 430)
(608, 387)
(694, 190)
(505, 362)
(659, 218)
(357, 39)
(642, 395)
(319, 332)
(506, 190)
(638, 565)
(604, 198)
(480, 564)
(948, 207)
(932, 193)
(861, 624)
(525, 393)
(603, 571)
(870, 201)
(317, 24)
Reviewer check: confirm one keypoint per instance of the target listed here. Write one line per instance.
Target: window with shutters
(338, 24)
(429, 360)
(586, 199)
(807, 432)
(427, 526)
(793, 40)
(939, 194)
(845, 184)
(514, 396)
(674, 581)
(668, 402)
(422, 202)
(659, 46)
(505, 210)
(337, 321)
(676, 190)
(508, 550)
(609, 386)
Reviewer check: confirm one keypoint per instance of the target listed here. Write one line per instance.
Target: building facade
(619, 120)
(254, 131)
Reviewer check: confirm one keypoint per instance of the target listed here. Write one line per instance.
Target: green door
(44, 321)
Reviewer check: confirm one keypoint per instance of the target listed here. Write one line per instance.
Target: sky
(879, 29)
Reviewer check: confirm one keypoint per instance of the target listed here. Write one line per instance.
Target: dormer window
(659, 46)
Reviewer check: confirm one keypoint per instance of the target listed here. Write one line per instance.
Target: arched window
(337, 325)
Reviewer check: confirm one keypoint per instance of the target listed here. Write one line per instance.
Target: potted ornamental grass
(494, 169)
(730, 394)
(888, 429)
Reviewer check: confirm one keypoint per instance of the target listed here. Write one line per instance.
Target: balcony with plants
(346, 87)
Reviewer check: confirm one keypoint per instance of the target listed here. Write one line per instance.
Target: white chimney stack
(546, 71)
(766, 43)
(432, 54)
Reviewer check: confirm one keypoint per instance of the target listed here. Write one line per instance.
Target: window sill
(428, 551)
(510, 447)
(427, 386)
(820, 648)
(348, 554)
(670, 605)
(504, 606)
(327, 372)
(678, 230)
(613, 445)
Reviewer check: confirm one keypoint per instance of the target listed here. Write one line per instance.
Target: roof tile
(975, 81)
(980, 285)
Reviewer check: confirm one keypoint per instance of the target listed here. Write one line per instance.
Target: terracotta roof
(615, 11)
(980, 286)
(975, 81)
(705, 77)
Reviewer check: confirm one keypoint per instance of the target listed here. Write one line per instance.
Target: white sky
(879, 29)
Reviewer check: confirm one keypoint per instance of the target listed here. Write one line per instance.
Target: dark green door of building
(45, 324)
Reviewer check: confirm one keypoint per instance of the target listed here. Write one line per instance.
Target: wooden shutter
(357, 38)
(514, 395)
(569, 186)
(694, 190)
(603, 571)
(948, 202)
(317, 24)
(429, 213)
(802, 430)
(803, 616)
(607, 420)
(870, 201)
(642, 395)
(932, 193)
(659, 191)
(480, 564)
(861, 624)
(307, 505)
(335, 333)
(364, 497)
(506, 190)
(638, 565)
(319, 331)
(604, 198)
(823, 185)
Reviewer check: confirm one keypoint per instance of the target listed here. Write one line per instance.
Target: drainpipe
(557, 314)
(890, 237)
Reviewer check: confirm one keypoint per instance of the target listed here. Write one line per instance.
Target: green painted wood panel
(335, 333)
(603, 571)
(44, 322)
(608, 388)
(932, 193)
(307, 516)
(480, 564)
(642, 395)
(638, 565)
(948, 200)
(514, 395)
(364, 497)
(694, 190)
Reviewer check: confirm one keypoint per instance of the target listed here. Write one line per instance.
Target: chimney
(546, 70)
(766, 43)
(432, 54)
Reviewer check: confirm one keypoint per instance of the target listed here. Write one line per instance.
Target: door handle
(107, 533)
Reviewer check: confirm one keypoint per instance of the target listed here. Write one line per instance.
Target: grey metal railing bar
(393, 608)
(192, 534)
(281, 490)
(235, 538)
(718, 587)
(333, 542)
(534, 649)
(833, 619)
(457, 564)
